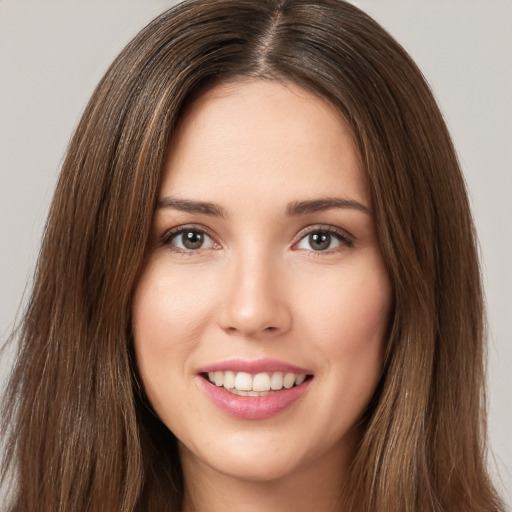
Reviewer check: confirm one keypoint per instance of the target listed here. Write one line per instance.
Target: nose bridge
(255, 303)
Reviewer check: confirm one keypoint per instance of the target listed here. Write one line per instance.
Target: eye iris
(192, 240)
(320, 241)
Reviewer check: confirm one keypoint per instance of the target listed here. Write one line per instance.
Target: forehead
(259, 134)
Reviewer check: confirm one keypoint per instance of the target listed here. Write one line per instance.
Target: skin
(257, 288)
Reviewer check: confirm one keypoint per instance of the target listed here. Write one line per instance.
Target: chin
(255, 462)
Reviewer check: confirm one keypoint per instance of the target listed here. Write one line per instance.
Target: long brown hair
(80, 433)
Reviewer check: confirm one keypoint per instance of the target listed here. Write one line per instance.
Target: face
(260, 318)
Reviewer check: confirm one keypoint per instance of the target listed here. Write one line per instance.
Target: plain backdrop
(53, 52)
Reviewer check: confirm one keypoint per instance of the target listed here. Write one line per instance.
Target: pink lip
(252, 407)
(254, 367)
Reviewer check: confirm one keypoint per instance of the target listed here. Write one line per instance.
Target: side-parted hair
(80, 434)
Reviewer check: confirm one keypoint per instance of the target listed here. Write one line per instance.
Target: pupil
(320, 241)
(192, 240)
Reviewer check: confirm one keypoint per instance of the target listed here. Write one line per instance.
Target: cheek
(167, 316)
(351, 321)
(168, 312)
(353, 303)
(155, 315)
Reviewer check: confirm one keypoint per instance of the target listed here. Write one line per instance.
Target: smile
(260, 384)
(254, 390)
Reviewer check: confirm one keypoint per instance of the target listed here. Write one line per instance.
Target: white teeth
(298, 380)
(249, 393)
(243, 381)
(276, 381)
(245, 384)
(289, 380)
(219, 378)
(261, 382)
(229, 380)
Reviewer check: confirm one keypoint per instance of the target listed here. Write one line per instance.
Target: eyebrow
(293, 209)
(187, 205)
(315, 205)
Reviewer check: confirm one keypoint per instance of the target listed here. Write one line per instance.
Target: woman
(258, 286)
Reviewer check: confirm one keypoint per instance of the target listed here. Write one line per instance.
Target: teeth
(261, 382)
(276, 381)
(289, 380)
(229, 380)
(219, 378)
(245, 384)
(243, 381)
(299, 380)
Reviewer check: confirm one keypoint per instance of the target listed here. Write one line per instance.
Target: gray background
(53, 52)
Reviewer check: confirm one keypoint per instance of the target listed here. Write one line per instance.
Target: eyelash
(344, 238)
(170, 235)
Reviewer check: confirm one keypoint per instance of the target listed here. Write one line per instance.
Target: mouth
(254, 385)
(254, 390)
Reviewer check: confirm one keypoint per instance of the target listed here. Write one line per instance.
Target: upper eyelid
(323, 227)
(169, 234)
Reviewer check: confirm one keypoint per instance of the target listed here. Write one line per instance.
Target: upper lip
(254, 367)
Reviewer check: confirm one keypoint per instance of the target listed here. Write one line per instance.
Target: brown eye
(324, 240)
(192, 239)
(319, 241)
(189, 239)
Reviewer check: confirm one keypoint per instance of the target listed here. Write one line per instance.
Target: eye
(189, 239)
(323, 240)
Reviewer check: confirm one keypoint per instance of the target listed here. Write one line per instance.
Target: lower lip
(253, 407)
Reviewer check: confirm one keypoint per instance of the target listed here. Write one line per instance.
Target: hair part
(102, 447)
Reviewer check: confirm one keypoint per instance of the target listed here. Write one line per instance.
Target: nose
(255, 302)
